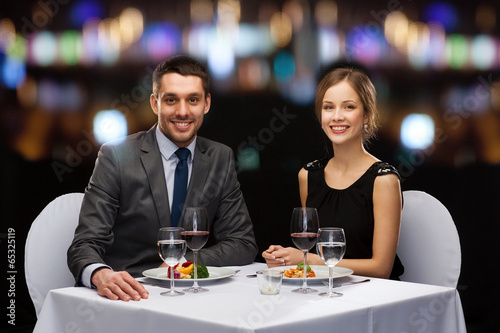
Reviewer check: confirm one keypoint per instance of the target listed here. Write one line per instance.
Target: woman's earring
(366, 127)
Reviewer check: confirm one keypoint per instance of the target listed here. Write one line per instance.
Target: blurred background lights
(109, 125)
(248, 159)
(284, 66)
(483, 52)
(161, 40)
(437, 43)
(295, 12)
(365, 44)
(131, 26)
(457, 51)
(329, 45)
(228, 13)
(109, 40)
(486, 17)
(90, 40)
(418, 44)
(302, 89)
(44, 48)
(13, 72)
(417, 131)
(27, 92)
(220, 57)
(325, 13)
(253, 74)
(396, 30)
(280, 28)
(442, 12)
(202, 11)
(85, 10)
(70, 47)
(48, 94)
(7, 34)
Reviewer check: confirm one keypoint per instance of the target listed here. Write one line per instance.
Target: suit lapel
(151, 160)
(201, 167)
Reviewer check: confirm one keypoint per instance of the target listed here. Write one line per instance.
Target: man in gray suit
(129, 196)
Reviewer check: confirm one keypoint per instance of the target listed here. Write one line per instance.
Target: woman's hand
(277, 255)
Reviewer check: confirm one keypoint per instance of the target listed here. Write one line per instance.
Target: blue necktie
(180, 185)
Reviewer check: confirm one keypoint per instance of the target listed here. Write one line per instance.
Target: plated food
(298, 272)
(186, 271)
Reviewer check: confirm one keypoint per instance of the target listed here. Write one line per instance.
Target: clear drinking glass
(195, 223)
(171, 248)
(331, 248)
(304, 232)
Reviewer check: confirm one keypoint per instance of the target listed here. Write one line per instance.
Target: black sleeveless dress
(350, 208)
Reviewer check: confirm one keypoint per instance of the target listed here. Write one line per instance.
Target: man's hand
(118, 285)
(277, 255)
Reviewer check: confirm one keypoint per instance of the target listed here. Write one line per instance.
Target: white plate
(215, 273)
(321, 273)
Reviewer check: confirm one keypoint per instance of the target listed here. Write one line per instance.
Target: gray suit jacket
(126, 202)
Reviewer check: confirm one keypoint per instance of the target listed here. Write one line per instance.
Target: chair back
(429, 246)
(47, 243)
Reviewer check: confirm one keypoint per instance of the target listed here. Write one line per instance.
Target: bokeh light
(7, 34)
(161, 40)
(70, 47)
(248, 159)
(284, 66)
(281, 29)
(325, 13)
(131, 26)
(202, 11)
(329, 45)
(12, 72)
(85, 10)
(484, 52)
(293, 9)
(253, 74)
(417, 131)
(486, 17)
(44, 49)
(109, 41)
(418, 44)
(457, 51)
(27, 92)
(442, 12)
(109, 125)
(365, 44)
(220, 57)
(90, 40)
(48, 94)
(396, 30)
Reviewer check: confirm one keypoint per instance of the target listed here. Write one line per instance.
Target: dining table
(234, 304)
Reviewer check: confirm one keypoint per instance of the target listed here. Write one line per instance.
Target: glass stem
(195, 284)
(330, 280)
(171, 278)
(304, 281)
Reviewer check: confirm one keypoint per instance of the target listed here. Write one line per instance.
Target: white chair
(429, 246)
(48, 240)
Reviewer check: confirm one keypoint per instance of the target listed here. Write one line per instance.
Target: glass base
(331, 295)
(195, 290)
(172, 293)
(304, 290)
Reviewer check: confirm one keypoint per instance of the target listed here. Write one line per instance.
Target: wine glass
(195, 223)
(304, 232)
(171, 248)
(331, 249)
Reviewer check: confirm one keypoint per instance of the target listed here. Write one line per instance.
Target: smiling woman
(353, 189)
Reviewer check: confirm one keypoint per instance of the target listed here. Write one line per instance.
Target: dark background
(463, 171)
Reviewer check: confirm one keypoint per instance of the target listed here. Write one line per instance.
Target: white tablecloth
(235, 305)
